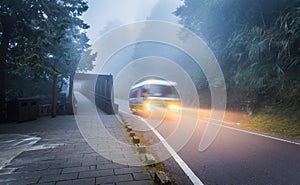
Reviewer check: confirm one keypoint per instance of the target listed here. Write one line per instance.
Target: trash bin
(12, 110)
(27, 108)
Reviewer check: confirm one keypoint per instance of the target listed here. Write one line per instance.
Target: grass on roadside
(278, 121)
(159, 166)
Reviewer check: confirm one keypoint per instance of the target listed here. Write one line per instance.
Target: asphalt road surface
(235, 156)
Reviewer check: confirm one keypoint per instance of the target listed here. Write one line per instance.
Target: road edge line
(255, 133)
(177, 158)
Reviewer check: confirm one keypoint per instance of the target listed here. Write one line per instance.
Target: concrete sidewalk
(62, 156)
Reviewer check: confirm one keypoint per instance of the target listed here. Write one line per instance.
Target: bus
(153, 95)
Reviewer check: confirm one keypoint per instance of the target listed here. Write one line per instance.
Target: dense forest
(39, 40)
(257, 44)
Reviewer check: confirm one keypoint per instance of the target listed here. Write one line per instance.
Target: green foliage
(256, 43)
(86, 61)
(276, 121)
(27, 87)
(40, 39)
(43, 35)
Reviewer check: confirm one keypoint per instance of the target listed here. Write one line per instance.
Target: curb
(160, 177)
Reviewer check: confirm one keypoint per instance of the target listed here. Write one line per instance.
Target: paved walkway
(62, 156)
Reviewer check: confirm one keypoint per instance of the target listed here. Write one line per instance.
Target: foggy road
(235, 156)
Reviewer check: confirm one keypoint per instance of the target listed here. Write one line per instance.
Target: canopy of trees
(39, 39)
(257, 43)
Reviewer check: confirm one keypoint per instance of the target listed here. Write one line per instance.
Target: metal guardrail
(99, 88)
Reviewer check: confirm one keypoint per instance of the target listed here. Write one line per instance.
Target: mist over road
(235, 157)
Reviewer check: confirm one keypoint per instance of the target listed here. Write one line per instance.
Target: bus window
(133, 94)
(144, 92)
(163, 91)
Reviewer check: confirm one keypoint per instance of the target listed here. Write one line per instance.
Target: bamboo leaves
(256, 42)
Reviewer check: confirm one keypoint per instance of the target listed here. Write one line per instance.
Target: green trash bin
(28, 108)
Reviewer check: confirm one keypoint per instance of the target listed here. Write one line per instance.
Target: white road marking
(229, 123)
(12, 148)
(255, 133)
(182, 164)
(173, 153)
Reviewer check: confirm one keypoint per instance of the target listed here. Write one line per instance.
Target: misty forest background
(40, 39)
(256, 42)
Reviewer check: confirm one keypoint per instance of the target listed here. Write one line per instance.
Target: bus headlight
(148, 106)
(174, 107)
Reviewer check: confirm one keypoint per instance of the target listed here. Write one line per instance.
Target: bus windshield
(155, 90)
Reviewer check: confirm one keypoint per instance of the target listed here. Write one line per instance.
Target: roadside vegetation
(152, 168)
(38, 41)
(257, 46)
(275, 121)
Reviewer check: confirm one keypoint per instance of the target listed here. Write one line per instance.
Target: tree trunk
(54, 96)
(3, 56)
(54, 92)
(71, 95)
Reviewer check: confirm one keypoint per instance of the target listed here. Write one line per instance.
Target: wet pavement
(52, 151)
(12, 145)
